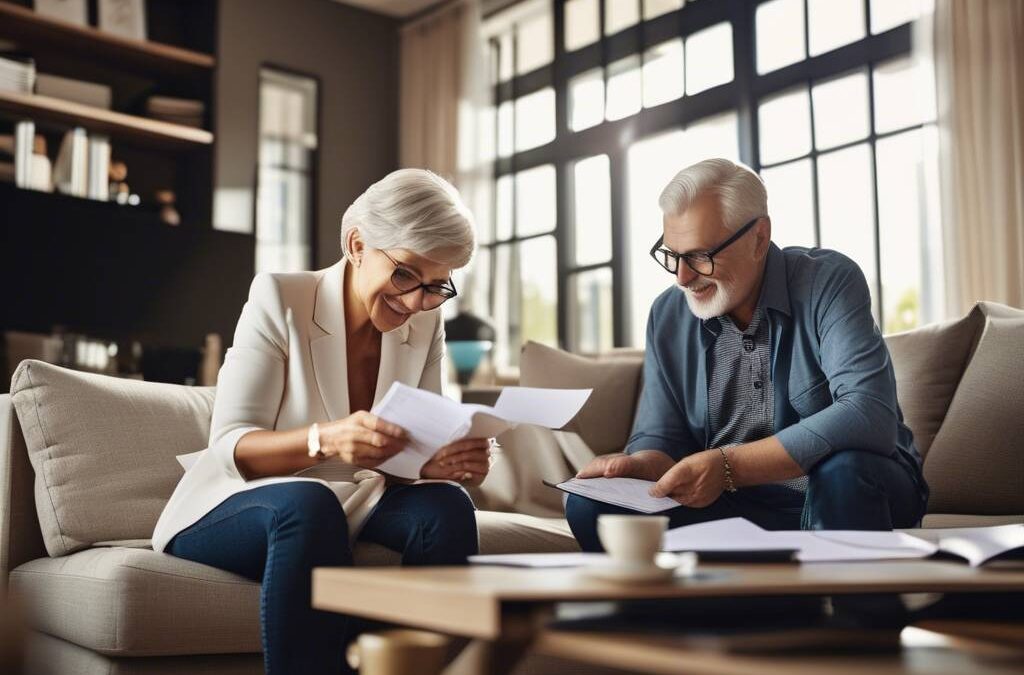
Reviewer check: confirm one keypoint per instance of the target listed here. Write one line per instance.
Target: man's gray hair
(740, 191)
(413, 209)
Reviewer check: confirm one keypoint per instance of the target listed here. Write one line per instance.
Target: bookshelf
(142, 130)
(44, 34)
(116, 271)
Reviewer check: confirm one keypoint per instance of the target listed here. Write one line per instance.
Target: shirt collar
(774, 290)
(775, 287)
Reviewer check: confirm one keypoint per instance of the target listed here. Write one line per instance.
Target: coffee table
(506, 609)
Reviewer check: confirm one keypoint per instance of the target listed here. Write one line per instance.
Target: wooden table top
(469, 600)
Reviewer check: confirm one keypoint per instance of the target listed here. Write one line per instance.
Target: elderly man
(768, 391)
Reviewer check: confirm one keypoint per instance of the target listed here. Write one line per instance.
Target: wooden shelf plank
(35, 31)
(117, 125)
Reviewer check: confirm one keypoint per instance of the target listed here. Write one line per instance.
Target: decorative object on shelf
(468, 338)
(213, 350)
(184, 111)
(168, 213)
(117, 174)
(79, 91)
(126, 18)
(71, 11)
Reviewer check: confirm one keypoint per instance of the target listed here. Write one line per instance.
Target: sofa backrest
(102, 450)
(21, 540)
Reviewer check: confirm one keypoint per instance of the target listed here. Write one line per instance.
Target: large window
(600, 102)
(287, 152)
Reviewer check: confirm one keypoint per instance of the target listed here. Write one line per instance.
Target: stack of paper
(630, 493)
(17, 73)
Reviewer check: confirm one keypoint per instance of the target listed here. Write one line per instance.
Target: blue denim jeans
(277, 534)
(849, 490)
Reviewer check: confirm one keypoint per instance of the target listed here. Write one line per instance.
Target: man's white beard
(716, 305)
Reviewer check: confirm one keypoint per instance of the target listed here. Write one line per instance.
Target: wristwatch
(313, 441)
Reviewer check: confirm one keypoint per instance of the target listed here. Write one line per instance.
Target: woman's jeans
(278, 533)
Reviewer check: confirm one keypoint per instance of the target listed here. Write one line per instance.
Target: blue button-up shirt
(830, 369)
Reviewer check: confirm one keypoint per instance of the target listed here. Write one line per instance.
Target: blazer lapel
(330, 367)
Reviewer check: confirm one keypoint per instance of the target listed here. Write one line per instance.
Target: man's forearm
(763, 461)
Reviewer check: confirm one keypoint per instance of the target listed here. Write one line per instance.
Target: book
(17, 73)
(98, 177)
(70, 171)
(67, 89)
(433, 421)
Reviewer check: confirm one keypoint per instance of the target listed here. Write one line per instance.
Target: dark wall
(354, 55)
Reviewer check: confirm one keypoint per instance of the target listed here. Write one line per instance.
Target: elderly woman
(288, 482)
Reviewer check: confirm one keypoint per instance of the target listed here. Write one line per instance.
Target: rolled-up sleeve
(660, 422)
(855, 361)
(251, 382)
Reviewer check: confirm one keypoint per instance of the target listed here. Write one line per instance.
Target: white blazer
(285, 369)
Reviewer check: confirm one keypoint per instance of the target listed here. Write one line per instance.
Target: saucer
(645, 574)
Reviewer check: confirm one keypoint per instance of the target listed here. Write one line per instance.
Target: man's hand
(695, 481)
(645, 464)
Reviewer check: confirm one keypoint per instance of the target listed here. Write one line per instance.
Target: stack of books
(82, 168)
(187, 112)
(17, 73)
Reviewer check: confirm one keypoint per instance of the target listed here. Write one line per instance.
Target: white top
(286, 369)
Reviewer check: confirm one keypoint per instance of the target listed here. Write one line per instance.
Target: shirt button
(748, 344)
(757, 384)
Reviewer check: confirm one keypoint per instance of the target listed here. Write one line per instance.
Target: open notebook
(975, 545)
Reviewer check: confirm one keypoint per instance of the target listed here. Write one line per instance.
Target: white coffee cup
(631, 541)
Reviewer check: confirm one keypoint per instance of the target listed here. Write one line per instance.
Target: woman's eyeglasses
(406, 281)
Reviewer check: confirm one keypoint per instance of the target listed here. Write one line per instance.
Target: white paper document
(433, 421)
(739, 534)
(630, 493)
(541, 560)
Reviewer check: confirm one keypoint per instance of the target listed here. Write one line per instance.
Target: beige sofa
(87, 463)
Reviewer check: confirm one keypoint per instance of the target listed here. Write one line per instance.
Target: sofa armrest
(20, 537)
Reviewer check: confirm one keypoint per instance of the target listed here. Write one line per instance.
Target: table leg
(520, 627)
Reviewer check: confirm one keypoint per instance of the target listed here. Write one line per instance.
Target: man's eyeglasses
(406, 281)
(701, 263)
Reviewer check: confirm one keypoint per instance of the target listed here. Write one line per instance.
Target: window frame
(613, 138)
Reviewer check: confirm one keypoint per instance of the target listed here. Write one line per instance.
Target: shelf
(32, 31)
(118, 125)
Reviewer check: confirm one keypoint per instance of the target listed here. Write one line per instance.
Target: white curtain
(979, 52)
(445, 118)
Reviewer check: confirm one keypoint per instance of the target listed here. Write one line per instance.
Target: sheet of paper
(739, 534)
(434, 421)
(541, 560)
(188, 460)
(630, 493)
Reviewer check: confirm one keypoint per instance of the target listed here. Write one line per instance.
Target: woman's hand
(361, 439)
(466, 462)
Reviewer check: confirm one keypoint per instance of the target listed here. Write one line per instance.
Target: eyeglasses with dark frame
(406, 281)
(701, 263)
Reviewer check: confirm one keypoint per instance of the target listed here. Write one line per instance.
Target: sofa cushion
(605, 421)
(136, 602)
(103, 450)
(976, 462)
(928, 363)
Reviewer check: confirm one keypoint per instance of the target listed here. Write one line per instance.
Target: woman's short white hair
(740, 191)
(417, 210)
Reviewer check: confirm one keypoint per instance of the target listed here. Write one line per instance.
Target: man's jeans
(278, 533)
(849, 490)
